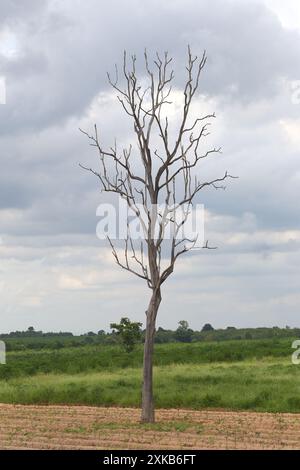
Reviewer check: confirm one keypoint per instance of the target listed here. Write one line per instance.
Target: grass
(237, 375)
(102, 358)
(264, 384)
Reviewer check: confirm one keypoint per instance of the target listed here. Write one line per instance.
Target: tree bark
(148, 415)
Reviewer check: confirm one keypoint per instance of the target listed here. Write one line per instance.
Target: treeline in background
(32, 339)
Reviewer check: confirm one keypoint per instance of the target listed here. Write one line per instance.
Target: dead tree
(160, 169)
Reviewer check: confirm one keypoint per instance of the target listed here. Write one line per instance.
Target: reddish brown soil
(82, 427)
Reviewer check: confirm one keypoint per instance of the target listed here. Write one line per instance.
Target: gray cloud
(47, 204)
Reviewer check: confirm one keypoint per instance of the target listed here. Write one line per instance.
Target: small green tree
(207, 327)
(129, 332)
(183, 333)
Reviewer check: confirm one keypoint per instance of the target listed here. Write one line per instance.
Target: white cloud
(288, 12)
(291, 129)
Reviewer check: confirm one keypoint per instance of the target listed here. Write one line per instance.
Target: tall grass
(242, 375)
(268, 386)
(109, 358)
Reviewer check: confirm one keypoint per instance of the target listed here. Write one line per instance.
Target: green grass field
(241, 375)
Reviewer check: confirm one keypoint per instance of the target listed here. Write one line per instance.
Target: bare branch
(152, 176)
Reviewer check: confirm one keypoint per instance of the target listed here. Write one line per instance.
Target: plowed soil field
(82, 427)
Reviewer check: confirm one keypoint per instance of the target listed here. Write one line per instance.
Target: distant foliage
(129, 332)
(183, 333)
(38, 340)
(208, 327)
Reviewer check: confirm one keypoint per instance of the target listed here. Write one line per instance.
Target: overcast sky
(54, 272)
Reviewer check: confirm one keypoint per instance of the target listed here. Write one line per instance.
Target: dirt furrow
(80, 427)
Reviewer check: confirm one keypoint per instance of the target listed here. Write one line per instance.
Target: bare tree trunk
(147, 391)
